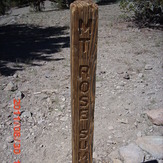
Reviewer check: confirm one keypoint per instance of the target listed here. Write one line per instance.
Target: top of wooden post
(83, 3)
(85, 0)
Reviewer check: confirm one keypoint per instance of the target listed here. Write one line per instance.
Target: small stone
(139, 134)
(124, 121)
(5, 146)
(19, 95)
(122, 84)
(15, 75)
(10, 139)
(62, 106)
(147, 157)
(63, 98)
(49, 100)
(26, 114)
(126, 76)
(40, 121)
(41, 145)
(63, 119)
(110, 128)
(94, 155)
(120, 71)
(148, 67)
(131, 153)
(140, 75)
(152, 145)
(47, 75)
(156, 116)
(118, 87)
(11, 87)
(135, 123)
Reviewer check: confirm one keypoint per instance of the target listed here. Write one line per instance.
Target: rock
(11, 87)
(15, 75)
(152, 145)
(64, 118)
(140, 75)
(139, 134)
(41, 145)
(110, 127)
(40, 121)
(62, 106)
(94, 155)
(156, 116)
(126, 76)
(5, 146)
(47, 75)
(13, 21)
(118, 87)
(63, 98)
(131, 153)
(135, 123)
(122, 83)
(19, 95)
(9, 139)
(124, 121)
(120, 71)
(148, 67)
(26, 114)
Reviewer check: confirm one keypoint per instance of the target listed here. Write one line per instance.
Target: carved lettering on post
(84, 23)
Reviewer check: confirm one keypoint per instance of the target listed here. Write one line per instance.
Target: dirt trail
(129, 82)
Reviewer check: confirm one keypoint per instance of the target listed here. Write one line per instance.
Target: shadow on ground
(26, 43)
(106, 2)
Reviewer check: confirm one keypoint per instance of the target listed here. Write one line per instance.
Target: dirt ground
(35, 56)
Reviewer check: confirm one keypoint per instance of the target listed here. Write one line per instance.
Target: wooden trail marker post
(84, 29)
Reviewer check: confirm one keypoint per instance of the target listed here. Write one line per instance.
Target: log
(84, 30)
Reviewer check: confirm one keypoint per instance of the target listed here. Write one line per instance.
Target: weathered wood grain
(84, 29)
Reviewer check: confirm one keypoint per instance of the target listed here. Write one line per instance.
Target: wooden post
(84, 28)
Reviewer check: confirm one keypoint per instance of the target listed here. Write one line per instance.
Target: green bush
(19, 3)
(37, 5)
(62, 4)
(4, 6)
(145, 12)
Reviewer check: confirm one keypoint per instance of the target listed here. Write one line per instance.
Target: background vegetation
(38, 5)
(145, 12)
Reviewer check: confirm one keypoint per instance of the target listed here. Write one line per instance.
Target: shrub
(63, 3)
(146, 12)
(37, 5)
(4, 6)
(19, 3)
